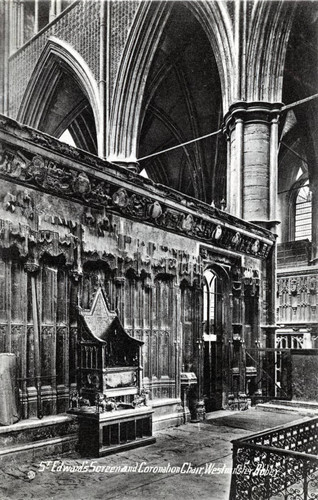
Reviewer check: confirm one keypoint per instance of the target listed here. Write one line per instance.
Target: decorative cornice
(91, 181)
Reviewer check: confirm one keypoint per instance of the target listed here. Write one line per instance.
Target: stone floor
(184, 453)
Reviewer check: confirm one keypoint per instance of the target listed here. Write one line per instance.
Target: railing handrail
(281, 451)
(262, 462)
(268, 432)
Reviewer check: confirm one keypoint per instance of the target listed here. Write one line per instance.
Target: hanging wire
(297, 103)
(284, 108)
(180, 145)
(294, 152)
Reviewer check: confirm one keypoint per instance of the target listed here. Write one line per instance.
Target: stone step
(311, 405)
(302, 407)
(35, 439)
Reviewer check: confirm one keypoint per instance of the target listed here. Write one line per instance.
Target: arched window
(209, 305)
(303, 208)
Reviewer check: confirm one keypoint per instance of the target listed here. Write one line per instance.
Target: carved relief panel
(297, 298)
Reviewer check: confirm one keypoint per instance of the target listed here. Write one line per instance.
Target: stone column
(36, 16)
(52, 12)
(13, 25)
(58, 7)
(252, 129)
(18, 20)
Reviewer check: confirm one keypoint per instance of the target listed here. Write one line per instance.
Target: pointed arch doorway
(213, 339)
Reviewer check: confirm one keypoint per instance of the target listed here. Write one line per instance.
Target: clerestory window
(303, 209)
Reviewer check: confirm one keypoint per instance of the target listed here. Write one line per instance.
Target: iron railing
(281, 463)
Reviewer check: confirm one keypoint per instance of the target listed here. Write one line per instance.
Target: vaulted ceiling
(182, 102)
(299, 148)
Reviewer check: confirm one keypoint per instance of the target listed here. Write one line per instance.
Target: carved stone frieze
(51, 243)
(295, 285)
(15, 236)
(37, 243)
(98, 221)
(90, 189)
(33, 245)
(20, 202)
(297, 298)
(60, 221)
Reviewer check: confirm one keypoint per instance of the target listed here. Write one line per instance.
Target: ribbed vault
(182, 101)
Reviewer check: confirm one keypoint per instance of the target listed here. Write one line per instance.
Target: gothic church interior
(205, 251)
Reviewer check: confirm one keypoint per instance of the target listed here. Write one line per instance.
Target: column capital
(248, 112)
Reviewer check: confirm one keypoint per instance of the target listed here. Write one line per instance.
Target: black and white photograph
(159, 249)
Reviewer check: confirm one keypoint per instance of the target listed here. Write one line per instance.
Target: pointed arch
(132, 74)
(57, 56)
(140, 48)
(215, 20)
(216, 327)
